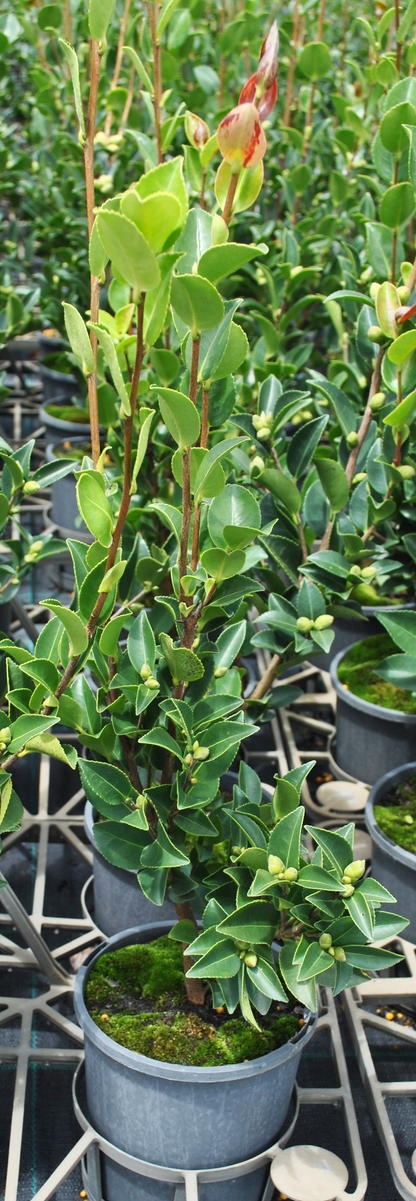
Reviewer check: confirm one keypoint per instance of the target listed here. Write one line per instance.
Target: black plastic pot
(370, 740)
(179, 1116)
(350, 630)
(118, 900)
(20, 349)
(57, 385)
(392, 865)
(58, 428)
(64, 510)
(49, 344)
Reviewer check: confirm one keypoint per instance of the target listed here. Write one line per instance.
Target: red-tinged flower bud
(196, 130)
(267, 68)
(405, 313)
(267, 102)
(241, 139)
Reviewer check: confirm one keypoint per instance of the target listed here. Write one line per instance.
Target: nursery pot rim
(356, 702)
(62, 424)
(378, 791)
(156, 1067)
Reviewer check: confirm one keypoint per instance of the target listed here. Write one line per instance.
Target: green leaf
(402, 628)
(255, 923)
(336, 849)
(94, 507)
(110, 354)
(160, 737)
(310, 601)
(183, 664)
(334, 483)
(99, 16)
(399, 670)
(282, 487)
(141, 70)
(372, 959)
(300, 178)
(130, 254)
(141, 646)
(157, 300)
(397, 205)
(306, 991)
(314, 60)
(167, 177)
(216, 452)
(222, 566)
(196, 302)
(392, 132)
(220, 261)
(234, 507)
(403, 413)
(112, 576)
(166, 12)
(78, 338)
(25, 728)
(157, 216)
(180, 416)
(120, 844)
(303, 444)
(318, 879)
(229, 644)
(265, 978)
(360, 911)
(220, 962)
(73, 625)
(315, 961)
(285, 799)
(163, 852)
(47, 744)
(184, 931)
(285, 838)
(402, 347)
(234, 354)
(72, 60)
(345, 411)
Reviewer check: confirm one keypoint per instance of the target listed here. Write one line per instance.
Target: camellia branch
(118, 62)
(95, 283)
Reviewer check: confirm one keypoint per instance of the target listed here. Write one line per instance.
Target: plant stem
(397, 23)
(125, 497)
(153, 13)
(118, 62)
(95, 283)
(227, 211)
(128, 104)
(186, 473)
(203, 443)
(266, 681)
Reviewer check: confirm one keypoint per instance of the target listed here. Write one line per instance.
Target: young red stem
(228, 207)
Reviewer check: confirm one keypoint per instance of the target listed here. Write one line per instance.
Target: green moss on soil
(393, 819)
(185, 1038)
(356, 672)
(136, 996)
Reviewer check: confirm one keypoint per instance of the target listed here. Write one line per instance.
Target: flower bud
(250, 959)
(6, 735)
(151, 683)
(195, 746)
(291, 874)
(368, 572)
(266, 103)
(339, 955)
(30, 487)
(193, 780)
(188, 759)
(348, 890)
(275, 865)
(324, 621)
(257, 420)
(256, 464)
(202, 752)
(359, 477)
(29, 558)
(374, 290)
(145, 672)
(325, 941)
(304, 624)
(220, 672)
(377, 401)
(267, 68)
(264, 433)
(355, 870)
(241, 139)
(355, 569)
(406, 471)
(404, 293)
(196, 130)
(351, 439)
(36, 546)
(375, 334)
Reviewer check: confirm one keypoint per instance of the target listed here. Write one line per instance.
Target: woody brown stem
(118, 62)
(266, 681)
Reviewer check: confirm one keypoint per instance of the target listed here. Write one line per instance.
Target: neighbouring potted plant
(376, 705)
(59, 381)
(391, 820)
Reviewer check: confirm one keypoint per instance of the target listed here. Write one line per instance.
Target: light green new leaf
(402, 347)
(141, 646)
(47, 744)
(387, 303)
(78, 338)
(111, 577)
(334, 483)
(397, 205)
(314, 61)
(167, 177)
(220, 261)
(182, 663)
(196, 302)
(131, 256)
(110, 353)
(72, 623)
(222, 566)
(403, 413)
(72, 60)
(146, 417)
(157, 217)
(216, 452)
(180, 416)
(141, 70)
(95, 507)
(99, 16)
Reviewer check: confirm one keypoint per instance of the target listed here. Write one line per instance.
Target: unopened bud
(267, 68)
(193, 780)
(359, 477)
(196, 130)
(374, 290)
(202, 752)
(250, 959)
(355, 870)
(404, 293)
(291, 874)
(6, 735)
(351, 439)
(195, 746)
(30, 487)
(406, 471)
(188, 759)
(325, 942)
(263, 434)
(304, 624)
(377, 401)
(324, 621)
(145, 672)
(220, 672)
(339, 955)
(355, 569)
(151, 683)
(36, 546)
(368, 572)
(375, 334)
(240, 137)
(275, 865)
(348, 890)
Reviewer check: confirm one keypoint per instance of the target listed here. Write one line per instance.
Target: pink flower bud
(267, 68)
(196, 130)
(241, 139)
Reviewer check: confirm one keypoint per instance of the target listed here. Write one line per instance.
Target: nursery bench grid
(76, 934)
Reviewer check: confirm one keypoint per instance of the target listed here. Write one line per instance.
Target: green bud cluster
(277, 868)
(323, 622)
(5, 737)
(354, 870)
(351, 439)
(262, 423)
(406, 471)
(377, 401)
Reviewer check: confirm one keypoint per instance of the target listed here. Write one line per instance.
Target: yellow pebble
(104, 1018)
(389, 1017)
(83, 1193)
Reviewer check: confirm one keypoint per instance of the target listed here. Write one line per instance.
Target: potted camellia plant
(390, 817)
(161, 710)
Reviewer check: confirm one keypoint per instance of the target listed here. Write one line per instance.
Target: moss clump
(356, 672)
(398, 820)
(152, 969)
(184, 1038)
(69, 413)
